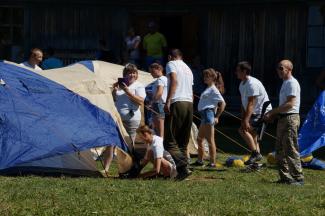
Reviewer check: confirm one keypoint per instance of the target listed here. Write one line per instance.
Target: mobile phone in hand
(122, 80)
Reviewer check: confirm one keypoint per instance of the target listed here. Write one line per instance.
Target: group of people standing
(172, 106)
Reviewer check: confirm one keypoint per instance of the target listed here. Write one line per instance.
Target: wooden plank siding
(76, 30)
(262, 35)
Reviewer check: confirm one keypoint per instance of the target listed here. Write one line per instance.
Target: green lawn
(228, 192)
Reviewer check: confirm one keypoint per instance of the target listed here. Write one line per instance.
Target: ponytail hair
(217, 77)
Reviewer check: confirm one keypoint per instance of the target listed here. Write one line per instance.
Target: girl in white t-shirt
(161, 159)
(211, 106)
(159, 95)
(129, 96)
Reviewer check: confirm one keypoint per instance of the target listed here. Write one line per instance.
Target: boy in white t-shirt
(253, 96)
(211, 106)
(159, 95)
(161, 159)
(179, 111)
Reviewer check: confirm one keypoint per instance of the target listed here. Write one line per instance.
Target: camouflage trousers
(287, 150)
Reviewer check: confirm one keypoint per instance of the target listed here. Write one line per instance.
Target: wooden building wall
(261, 34)
(75, 29)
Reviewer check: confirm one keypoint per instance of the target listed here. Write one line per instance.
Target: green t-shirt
(154, 43)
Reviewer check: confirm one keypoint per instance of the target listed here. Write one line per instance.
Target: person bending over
(161, 159)
(253, 96)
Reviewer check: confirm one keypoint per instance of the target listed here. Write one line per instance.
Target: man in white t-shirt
(287, 150)
(253, 96)
(35, 58)
(179, 111)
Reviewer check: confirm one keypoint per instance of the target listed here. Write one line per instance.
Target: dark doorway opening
(171, 27)
(181, 30)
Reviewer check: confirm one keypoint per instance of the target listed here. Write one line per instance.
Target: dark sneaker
(197, 163)
(254, 158)
(290, 182)
(183, 175)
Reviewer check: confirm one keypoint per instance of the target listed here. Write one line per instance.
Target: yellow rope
(228, 113)
(231, 139)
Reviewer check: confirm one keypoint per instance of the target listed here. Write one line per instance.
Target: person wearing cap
(35, 58)
(287, 150)
(154, 45)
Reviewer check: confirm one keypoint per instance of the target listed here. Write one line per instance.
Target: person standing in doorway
(154, 45)
(253, 96)
(287, 150)
(132, 42)
(179, 111)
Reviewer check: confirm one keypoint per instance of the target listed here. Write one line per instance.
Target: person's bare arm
(249, 108)
(115, 88)
(171, 90)
(135, 98)
(159, 93)
(290, 102)
(155, 171)
(248, 113)
(221, 108)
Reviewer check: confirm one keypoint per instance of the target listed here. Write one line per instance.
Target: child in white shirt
(159, 95)
(161, 159)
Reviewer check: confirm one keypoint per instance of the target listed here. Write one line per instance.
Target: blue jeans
(159, 109)
(207, 116)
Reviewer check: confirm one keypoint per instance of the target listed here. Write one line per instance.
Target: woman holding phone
(129, 95)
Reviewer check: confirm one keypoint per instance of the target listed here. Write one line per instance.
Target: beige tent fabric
(95, 86)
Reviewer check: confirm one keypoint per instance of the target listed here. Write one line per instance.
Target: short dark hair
(174, 53)
(34, 50)
(244, 65)
(156, 66)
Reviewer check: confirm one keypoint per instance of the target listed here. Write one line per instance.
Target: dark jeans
(178, 125)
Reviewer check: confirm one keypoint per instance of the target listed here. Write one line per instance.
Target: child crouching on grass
(161, 159)
(211, 106)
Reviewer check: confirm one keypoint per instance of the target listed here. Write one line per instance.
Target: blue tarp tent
(312, 132)
(41, 119)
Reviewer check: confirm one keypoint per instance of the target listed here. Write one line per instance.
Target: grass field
(223, 192)
(227, 192)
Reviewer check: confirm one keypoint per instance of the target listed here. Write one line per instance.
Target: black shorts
(254, 121)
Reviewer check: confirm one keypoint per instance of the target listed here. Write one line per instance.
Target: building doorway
(181, 30)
